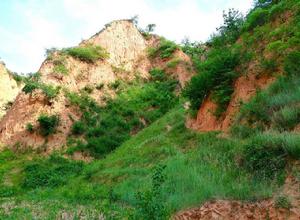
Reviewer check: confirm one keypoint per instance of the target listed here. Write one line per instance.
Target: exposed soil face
(245, 87)
(9, 89)
(235, 210)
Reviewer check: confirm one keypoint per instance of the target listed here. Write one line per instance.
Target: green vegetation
(147, 164)
(283, 202)
(48, 124)
(216, 78)
(87, 53)
(165, 49)
(30, 128)
(137, 106)
(33, 83)
(51, 172)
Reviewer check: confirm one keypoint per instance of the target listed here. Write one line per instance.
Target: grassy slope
(199, 167)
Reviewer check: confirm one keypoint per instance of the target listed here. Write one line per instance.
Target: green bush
(265, 156)
(286, 118)
(30, 86)
(292, 63)
(29, 128)
(283, 202)
(165, 49)
(256, 18)
(150, 204)
(88, 53)
(268, 65)
(78, 128)
(51, 172)
(61, 69)
(216, 77)
(48, 124)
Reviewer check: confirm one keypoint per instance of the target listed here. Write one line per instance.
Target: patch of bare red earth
(236, 210)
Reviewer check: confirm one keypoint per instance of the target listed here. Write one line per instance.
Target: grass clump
(48, 124)
(164, 50)
(87, 53)
(51, 172)
(283, 202)
(30, 128)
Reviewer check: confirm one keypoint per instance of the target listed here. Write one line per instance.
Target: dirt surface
(245, 87)
(9, 89)
(235, 210)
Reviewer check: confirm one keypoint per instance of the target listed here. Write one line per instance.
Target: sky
(28, 27)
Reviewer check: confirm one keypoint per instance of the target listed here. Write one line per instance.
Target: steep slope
(123, 57)
(257, 66)
(8, 90)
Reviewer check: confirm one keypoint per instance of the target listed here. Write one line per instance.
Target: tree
(150, 28)
(231, 27)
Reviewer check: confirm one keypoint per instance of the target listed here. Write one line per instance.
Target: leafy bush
(283, 202)
(292, 63)
(173, 63)
(51, 172)
(216, 77)
(256, 18)
(269, 65)
(165, 49)
(30, 86)
(88, 53)
(78, 128)
(49, 91)
(48, 124)
(150, 204)
(61, 69)
(30, 128)
(265, 156)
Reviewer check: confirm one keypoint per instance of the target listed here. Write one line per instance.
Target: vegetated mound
(75, 79)
(246, 56)
(9, 89)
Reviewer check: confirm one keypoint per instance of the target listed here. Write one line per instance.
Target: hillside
(90, 73)
(9, 89)
(129, 125)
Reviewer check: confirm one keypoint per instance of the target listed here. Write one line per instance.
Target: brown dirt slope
(127, 59)
(8, 89)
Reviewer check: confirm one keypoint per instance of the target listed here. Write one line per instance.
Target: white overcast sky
(28, 27)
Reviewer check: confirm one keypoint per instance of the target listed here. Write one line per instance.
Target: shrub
(173, 63)
(165, 49)
(78, 128)
(100, 86)
(88, 53)
(48, 124)
(286, 118)
(30, 86)
(50, 91)
(292, 63)
(88, 88)
(216, 77)
(61, 69)
(150, 204)
(51, 172)
(283, 202)
(268, 65)
(264, 156)
(30, 128)
(256, 18)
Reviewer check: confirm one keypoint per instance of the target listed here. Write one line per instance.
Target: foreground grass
(199, 167)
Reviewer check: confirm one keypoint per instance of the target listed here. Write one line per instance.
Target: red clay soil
(235, 210)
(244, 88)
